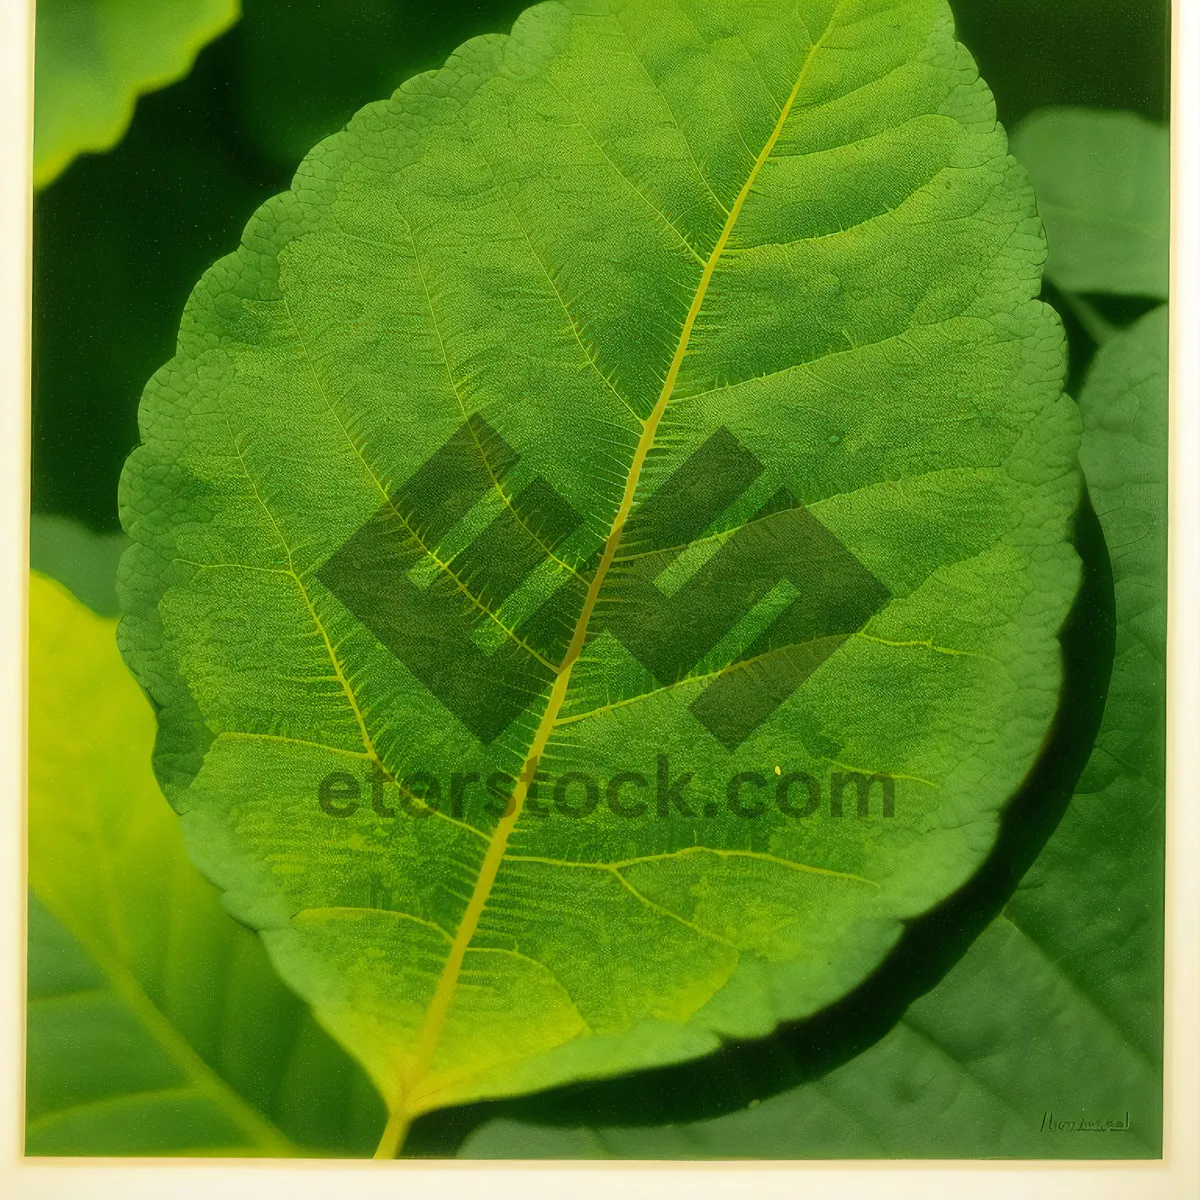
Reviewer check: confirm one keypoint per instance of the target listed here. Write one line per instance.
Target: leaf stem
(394, 1133)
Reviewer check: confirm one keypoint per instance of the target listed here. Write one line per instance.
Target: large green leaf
(1057, 1008)
(155, 1025)
(658, 390)
(95, 57)
(1103, 185)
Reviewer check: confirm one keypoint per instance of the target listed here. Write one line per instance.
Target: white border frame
(1178, 1175)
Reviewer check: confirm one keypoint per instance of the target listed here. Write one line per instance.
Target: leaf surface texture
(722, 318)
(1057, 1007)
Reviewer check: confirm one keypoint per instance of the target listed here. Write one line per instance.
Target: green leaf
(658, 392)
(1058, 1006)
(155, 1024)
(85, 562)
(1103, 184)
(95, 57)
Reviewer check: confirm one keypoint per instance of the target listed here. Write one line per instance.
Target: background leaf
(95, 57)
(1057, 1008)
(156, 1024)
(1103, 185)
(118, 242)
(84, 562)
(120, 239)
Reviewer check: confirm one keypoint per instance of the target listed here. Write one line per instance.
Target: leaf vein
(445, 567)
(758, 855)
(576, 331)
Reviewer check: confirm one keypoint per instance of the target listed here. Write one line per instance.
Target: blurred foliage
(95, 57)
(119, 241)
(83, 562)
(156, 1023)
(121, 238)
(301, 80)
(1100, 53)
(1103, 184)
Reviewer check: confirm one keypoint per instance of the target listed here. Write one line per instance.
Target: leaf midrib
(438, 1010)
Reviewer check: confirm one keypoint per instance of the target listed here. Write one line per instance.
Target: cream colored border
(1178, 1175)
(16, 141)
